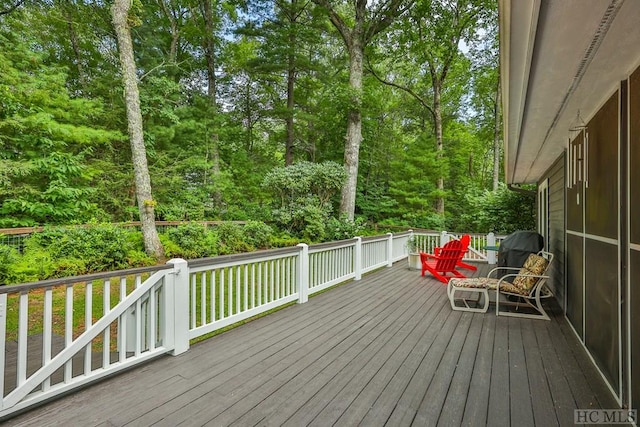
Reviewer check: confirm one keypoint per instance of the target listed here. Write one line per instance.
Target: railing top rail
(294, 250)
(332, 245)
(10, 289)
(375, 238)
(431, 232)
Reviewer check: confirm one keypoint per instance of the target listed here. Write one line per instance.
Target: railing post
(3, 334)
(390, 250)
(410, 239)
(444, 238)
(357, 262)
(491, 255)
(178, 306)
(303, 273)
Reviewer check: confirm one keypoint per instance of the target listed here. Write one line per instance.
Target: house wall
(556, 238)
(574, 257)
(602, 238)
(593, 246)
(633, 254)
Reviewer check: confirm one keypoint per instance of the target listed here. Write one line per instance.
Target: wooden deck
(387, 350)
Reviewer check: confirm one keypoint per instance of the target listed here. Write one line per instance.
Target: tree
(433, 33)
(357, 32)
(13, 5)
(146, 204)
(47, 140)
(303, 194)
(486, 94)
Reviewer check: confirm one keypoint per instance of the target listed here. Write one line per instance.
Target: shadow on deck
(385, 350)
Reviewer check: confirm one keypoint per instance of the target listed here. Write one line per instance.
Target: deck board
(521, 410)
(477, 400)
(386, 350)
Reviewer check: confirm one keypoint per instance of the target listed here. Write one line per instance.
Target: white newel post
(491, 255)
(303, 273)
(178, 306)
(390, 250)
(444, 238)
(3, 331)
(357, 262)
(410, 239)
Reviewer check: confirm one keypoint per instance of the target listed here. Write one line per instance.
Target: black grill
(516, 247)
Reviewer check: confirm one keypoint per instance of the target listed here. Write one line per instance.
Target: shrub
(190, 241)
(231, 239)
(35, 264)
(303, 195)
(304, 218)
(171, 248)
(257, 234)
(8, 256)
(344, 228)
(68, 267)
(138, 258)
(284, 241)
(101, 247)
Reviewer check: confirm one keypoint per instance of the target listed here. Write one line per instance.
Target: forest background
(251, 110)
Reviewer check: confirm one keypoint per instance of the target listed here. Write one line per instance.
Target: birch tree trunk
(354, 128)
(356, 34)
(119, 14)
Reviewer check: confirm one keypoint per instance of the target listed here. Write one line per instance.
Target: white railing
(332, 263)
(226, 290)
(64, 333)
(50, 342)
(478, 251)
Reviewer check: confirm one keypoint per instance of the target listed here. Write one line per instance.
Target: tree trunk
(291, 81)
(496, 139)
(209, 50)
(119, 13)
(73, 37)
(437, 112)
(354, 128)
(210, 56)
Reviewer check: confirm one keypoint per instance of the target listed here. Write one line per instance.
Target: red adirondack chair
(464, 240)
(444, 263)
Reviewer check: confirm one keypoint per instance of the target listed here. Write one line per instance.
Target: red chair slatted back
(450, 254)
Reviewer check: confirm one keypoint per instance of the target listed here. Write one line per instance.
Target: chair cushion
(475, 282)
(536, 265)
(509, 288)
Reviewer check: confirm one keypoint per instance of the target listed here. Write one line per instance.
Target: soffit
(558, 57)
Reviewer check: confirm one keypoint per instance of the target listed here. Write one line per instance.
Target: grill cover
(516, 247)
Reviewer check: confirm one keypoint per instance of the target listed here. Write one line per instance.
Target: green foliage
(68, 267)
(257, 234)
(65, 157)
(303, 194)
(343, 228)
(47, 138)
(35, 264)
(285, 241)
(70, 251)
(503, 212)
(231, 239)
(8, 256)
(190, 241)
